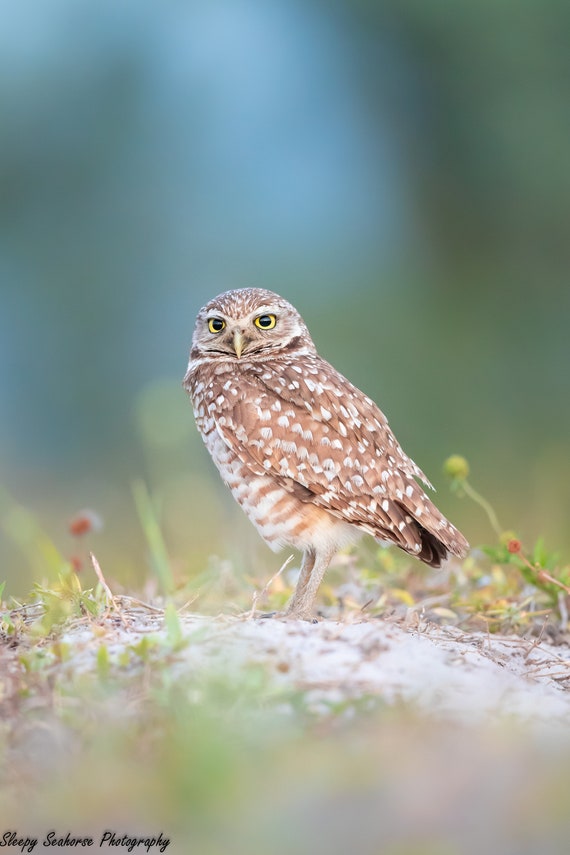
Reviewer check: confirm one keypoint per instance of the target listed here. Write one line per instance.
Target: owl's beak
(238, 343)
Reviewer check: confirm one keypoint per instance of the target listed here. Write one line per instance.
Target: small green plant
(64, 599)
(149, 520)
(540, 567)
(457, 470)
(174, 633)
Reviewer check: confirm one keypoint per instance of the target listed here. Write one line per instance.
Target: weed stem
(488, 508)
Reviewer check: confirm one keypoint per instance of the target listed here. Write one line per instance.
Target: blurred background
(399, 170)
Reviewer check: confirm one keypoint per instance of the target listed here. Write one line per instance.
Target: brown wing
(328, 443)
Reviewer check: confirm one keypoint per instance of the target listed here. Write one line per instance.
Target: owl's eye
(265, 322)
(216, 325)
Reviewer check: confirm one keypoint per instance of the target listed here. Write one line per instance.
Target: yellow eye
(216, 325)
(265, 322)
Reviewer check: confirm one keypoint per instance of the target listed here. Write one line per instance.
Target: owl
(308, 456)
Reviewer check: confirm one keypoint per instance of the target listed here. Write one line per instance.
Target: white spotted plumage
(309, 457)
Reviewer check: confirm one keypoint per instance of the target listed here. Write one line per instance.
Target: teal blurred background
(399, 170)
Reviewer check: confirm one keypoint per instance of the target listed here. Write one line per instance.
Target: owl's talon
(306, 616)
(288, 616)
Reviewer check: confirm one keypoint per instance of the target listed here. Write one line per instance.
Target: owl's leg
(306, 568)
(302, 582)
(312, 571)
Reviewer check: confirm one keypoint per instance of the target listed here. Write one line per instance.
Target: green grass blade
(151, 527)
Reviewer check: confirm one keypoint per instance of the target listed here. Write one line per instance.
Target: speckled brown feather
(307, 425)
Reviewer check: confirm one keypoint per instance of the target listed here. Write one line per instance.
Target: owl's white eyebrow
(264, 310)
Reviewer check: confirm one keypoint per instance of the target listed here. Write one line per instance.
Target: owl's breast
(223, 416)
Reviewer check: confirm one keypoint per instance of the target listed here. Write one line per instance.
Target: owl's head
(249, 323)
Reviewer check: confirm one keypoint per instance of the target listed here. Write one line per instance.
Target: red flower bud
(84, 522)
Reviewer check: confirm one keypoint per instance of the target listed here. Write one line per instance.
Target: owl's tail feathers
(423, 531)
(433, 536)
(433, 545)
(440, 540)
(433, 550)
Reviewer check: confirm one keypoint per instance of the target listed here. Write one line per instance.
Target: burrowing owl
(309, 457)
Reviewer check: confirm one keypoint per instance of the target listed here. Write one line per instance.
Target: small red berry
(514, 546)
(84, 522)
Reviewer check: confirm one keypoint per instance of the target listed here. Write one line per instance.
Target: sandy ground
(441, 671)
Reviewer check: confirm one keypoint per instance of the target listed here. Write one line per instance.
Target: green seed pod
(456, 467)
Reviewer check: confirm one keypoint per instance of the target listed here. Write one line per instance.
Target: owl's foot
(300, 614)
(289, 615)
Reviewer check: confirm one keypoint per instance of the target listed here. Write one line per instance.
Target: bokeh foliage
(398, 170)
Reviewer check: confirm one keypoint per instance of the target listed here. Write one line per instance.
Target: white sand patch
(441, 671)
